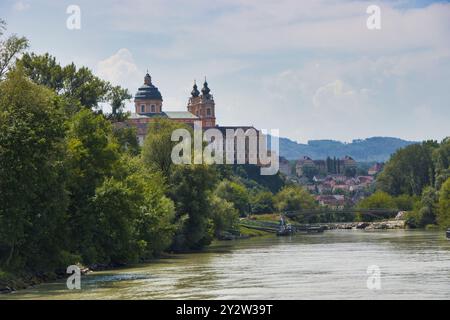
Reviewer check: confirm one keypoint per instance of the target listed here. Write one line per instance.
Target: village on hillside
(336, 183)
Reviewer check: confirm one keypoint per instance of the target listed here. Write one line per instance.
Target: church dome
(148, 91)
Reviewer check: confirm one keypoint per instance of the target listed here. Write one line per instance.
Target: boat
(447, 233)
(285, 229)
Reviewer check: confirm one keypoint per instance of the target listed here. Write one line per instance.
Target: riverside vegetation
(75, 189)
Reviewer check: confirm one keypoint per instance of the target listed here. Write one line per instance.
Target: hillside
(371, 149)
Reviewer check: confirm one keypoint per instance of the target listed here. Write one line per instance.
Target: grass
(252, 232)
(272, 217)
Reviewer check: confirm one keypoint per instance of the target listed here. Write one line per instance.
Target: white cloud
(21, 6)
(120, 69)
(254, 26)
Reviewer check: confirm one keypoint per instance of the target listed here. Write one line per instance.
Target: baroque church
(148, 103)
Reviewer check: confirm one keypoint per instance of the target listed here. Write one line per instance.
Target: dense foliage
(417, 175)
(76, 187)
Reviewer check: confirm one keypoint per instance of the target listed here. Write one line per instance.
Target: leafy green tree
(262, 202)
(294, 198)
(126, 137)
(115, 211)
(441, 158)
(406, 202)
(10, 48)
(156, 225)
(409, 170)
(80, 87)
(378, 200)
(236, 194)
(443, 217)
(190, 188)
(33, 200)
(158, 145)
(224, 215)
(116, 98)
(91, 156)
(428, 207)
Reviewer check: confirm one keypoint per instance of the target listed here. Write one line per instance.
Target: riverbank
(10, 283)
(269, 223)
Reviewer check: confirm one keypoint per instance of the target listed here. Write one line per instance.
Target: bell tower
(203, 105)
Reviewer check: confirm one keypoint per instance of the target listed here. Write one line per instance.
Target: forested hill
(371, 149)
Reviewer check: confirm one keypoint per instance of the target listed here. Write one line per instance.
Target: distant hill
(372, 149)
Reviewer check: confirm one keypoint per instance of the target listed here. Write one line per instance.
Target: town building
(324, 167)
(375, 169)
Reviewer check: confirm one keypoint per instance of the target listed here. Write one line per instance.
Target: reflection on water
(333, 265)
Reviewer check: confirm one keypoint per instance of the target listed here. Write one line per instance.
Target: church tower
(203, 105)
(148, 99)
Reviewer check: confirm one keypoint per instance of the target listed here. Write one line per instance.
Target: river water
(333, 265)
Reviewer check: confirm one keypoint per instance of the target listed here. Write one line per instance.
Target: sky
(310, 68)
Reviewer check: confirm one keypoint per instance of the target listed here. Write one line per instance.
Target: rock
(401, 215)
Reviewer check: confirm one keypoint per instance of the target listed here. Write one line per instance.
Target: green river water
(333, 265)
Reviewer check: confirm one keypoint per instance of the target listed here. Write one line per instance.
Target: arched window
(208, 112)
(153, 108)
(143, 108)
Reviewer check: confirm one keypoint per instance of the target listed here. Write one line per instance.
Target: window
(153, 108)
(143, 108)
(208, 112)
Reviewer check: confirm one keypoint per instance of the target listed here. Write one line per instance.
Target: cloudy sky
(310, 68)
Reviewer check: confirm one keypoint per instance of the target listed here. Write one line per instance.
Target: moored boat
(284, 229)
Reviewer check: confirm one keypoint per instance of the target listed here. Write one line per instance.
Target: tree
(91, 157)
(158, 145)
(350, 172)
(294, 198)
(406, 202)
(262, 202)
(126, 137)
(115, 211)
(156, 224)
(441, 159)
(310, 172)
(116, 98)
(80, 87)
(236, 194)
(223, 214)
(443, 216)
(10, 48)
(32, 194)
(428, 207)
(378, 200)
(409, 170)
(190, 188)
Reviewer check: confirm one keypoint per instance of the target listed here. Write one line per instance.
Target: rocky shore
(377, 225)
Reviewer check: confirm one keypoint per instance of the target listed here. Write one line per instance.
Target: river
(333, 265)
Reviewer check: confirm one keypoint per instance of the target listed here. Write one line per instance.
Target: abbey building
(148, 104)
